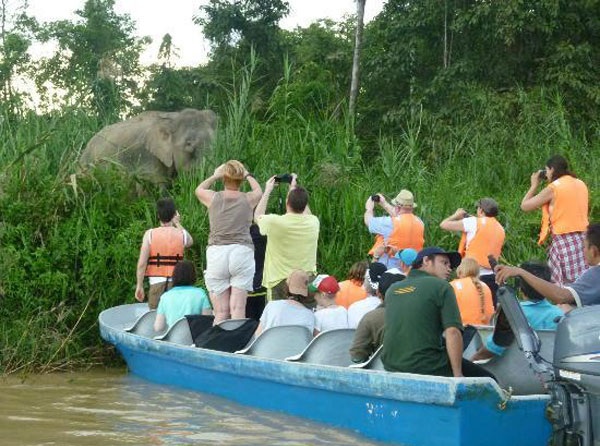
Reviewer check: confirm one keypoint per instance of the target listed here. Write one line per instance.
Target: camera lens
(375, 198)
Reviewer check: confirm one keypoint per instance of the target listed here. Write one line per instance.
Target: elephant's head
(180, 138)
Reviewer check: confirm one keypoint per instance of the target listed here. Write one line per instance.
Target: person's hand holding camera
(270, 184)
(294, 181)
(535, 179)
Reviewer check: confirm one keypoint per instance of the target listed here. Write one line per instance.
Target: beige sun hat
(404, 198)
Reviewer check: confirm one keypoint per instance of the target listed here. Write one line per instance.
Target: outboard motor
(573, 378)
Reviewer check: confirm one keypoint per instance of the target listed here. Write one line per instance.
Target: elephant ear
(159, 140)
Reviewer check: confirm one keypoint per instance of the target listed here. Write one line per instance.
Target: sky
(154, 20)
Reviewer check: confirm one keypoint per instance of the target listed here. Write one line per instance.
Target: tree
(360, 16)
(97, 62)
(234, 27)
(16, 29)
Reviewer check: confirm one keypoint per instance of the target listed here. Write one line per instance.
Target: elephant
(154, 145)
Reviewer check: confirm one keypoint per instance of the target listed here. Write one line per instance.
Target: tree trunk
(354, 84)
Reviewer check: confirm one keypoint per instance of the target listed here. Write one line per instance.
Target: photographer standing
(230, 251)
(400, 230)
(482, 236)
(564, 204)
(291, 238)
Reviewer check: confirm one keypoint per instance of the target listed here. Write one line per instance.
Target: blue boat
(399, 408)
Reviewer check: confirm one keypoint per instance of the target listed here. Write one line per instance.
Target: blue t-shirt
(586, 289)
(541, 315)
(182, 300)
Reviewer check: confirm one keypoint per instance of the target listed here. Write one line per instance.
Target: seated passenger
(369, 333)
(184, 298)
(358, 309)
(474, 297)
(329, 315)
(540, 313)
(290, 311)
(406, 257)
(352, 289)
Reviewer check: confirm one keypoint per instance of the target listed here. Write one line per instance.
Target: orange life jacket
(350, 292)
(469, 301)
(488, 239)
(166, 249)
(408, 232)
(569, 212)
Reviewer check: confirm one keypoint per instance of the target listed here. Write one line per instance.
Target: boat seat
(144, 325)
(513, 370)
(179, 333)
(232, 324)
(331, 347)
(373, 363)
(474, 344)
(279, 342)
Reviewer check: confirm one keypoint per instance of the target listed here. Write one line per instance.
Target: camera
(283, 178)
(376, 198)
(542, 174)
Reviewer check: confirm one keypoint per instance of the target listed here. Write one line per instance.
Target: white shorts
(229, 266)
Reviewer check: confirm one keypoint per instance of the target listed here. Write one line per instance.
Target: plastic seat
(330, 347)
(179, 333)
(279, 342)
(144, 325)
(232, 324)
(373, 363)
(475, 343)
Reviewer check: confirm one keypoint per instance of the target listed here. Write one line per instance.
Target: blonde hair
(470, 268)
(233, 173)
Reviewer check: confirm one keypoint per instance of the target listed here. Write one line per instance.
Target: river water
(111, 407)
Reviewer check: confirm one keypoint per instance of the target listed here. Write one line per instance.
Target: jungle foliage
(458, 100)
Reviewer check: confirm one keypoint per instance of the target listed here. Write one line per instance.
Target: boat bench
(331, 347)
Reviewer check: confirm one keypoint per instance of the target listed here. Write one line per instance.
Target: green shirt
(418, 310)
(291, 244)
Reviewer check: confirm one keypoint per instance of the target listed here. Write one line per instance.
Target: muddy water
(114, 408)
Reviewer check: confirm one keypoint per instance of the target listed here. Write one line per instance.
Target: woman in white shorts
(230, 252)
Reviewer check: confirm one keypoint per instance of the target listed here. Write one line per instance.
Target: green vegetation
(444, 128)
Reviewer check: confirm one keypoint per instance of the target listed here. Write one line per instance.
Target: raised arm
(531, 201)
(256, 194)
(203, 192)
(261, 207)
(455, 221)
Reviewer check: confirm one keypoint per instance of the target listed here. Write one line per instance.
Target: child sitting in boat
(352, 289)
(290, 311)
(184, 298)
(329, 315)
(541, 314)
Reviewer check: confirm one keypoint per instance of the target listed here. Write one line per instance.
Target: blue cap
(406, 256)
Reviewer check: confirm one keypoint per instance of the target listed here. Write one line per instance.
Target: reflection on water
(113, 408)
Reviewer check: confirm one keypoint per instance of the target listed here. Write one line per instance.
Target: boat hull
(392, 407)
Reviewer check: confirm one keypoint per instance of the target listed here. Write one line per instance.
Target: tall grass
(69, 248)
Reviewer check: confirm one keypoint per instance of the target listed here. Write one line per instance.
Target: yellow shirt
(291, 244)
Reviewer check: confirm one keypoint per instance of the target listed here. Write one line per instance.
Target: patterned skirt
(566, 257)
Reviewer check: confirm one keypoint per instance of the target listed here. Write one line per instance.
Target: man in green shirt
(419, 311)
(291, 238)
